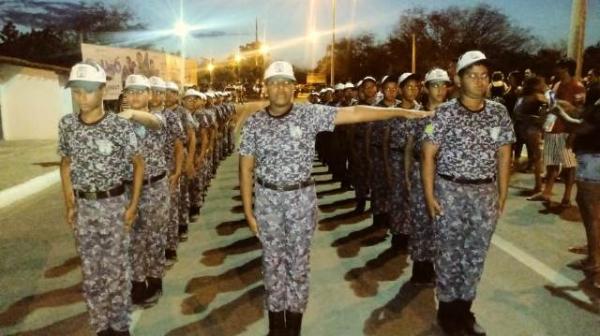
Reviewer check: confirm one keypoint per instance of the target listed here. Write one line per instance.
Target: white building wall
(32, 102)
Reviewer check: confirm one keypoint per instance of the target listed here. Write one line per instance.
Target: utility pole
(577, 34)
(332, 79)
(414, 54)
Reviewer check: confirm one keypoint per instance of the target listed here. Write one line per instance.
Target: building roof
(25, 63)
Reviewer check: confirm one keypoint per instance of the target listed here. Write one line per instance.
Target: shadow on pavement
(347, 218)
(75, 325)
(228, 228)
(47, 164)
(66, 267)
(206, 288)
(341, 204)
(19, 310)
(229, 319)
(585, 287)
(570, 214)
(387, 266)
(350, 245)
(218, 255)
(330, 192)
(411, 312)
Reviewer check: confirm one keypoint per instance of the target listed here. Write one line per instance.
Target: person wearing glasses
(465, 170)
(276, 156)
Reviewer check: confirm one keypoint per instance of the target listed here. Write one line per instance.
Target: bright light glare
(210, 67)
(313, 36)
(264, 49)
(238, 58)
(181, 28)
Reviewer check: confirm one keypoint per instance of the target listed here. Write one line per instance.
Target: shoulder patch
(429, 129)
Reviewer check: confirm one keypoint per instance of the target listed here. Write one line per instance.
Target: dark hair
(497, 76)
(569, 64)
(529, 85)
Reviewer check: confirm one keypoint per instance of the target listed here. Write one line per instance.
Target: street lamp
(181, 29)
(238, 60)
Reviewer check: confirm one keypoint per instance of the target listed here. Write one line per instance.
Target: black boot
(138, 290)
(106, 332)
(380, 220)
(361, 204)
(171, 257)
(428, 273)
(400, 241)
(183, 232)
(417, 273)
(293, 323)
(154, 291)
(121, 333)
(276, 323)
(449, 319)
(470, 325)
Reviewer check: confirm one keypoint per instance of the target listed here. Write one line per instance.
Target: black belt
(463, 180)
(94, 195)
(152, 179)
(285, 187)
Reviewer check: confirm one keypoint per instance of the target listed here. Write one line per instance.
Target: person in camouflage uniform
(277, 151)
(148, 237)
(360, 166)
(465, 171)
(189, 142)
(380, 181)
(174, 156)
(98, 150)
(421, 245)
(394, 145)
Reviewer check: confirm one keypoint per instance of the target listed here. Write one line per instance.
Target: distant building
(32, 99)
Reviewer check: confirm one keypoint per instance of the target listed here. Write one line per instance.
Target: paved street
(359, 285)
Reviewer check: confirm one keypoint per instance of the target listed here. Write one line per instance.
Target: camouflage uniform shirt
(284, 146)
(152, 143)
(468, 141)
(100, 153)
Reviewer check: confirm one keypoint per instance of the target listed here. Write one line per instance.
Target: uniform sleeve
(436, 129)
(248, 140)
(506, 134)
(174, 126)
(321, 117)
(130, 141)
(63, 141)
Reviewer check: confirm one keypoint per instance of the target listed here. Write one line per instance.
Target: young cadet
(174, 156)
(276, 156)
(189, 141)
(465, 171)
(421, 245)
(148, 237)
(98, 151)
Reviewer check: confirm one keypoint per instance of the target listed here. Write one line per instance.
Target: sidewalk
(22, 160)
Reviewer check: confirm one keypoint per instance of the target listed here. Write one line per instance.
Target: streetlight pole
(577, 34)
(332, 79)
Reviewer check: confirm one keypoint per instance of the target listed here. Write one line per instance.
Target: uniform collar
(268, 110)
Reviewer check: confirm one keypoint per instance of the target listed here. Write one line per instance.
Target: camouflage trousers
(231, 138)
(149, 234)
(379, 186)
(462, 236)
(399, 207)
(184, 201)
(103, 246)
(286, 222)
(360, 176)
(173, 226)
(421, 238)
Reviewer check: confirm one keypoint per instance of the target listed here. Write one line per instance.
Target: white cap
(172, 86)
(202, 96)
(469, 58)
(315, 93)
(210, 94)
(329, 89)
(360, 82)
(405, 76)
(322, 91)
(157, 83)
(192, 93)
(339, 86)
(349, 86)
(371, 78)
(280, 69)
(137, 82)
(87, 75)
(437, 75)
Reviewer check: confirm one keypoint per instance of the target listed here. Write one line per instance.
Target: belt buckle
(90, 196)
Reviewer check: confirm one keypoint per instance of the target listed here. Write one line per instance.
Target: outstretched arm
(364, 113)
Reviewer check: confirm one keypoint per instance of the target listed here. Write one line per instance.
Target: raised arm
(364, 113)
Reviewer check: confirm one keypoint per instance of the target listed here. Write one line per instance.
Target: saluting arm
(147, 119)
